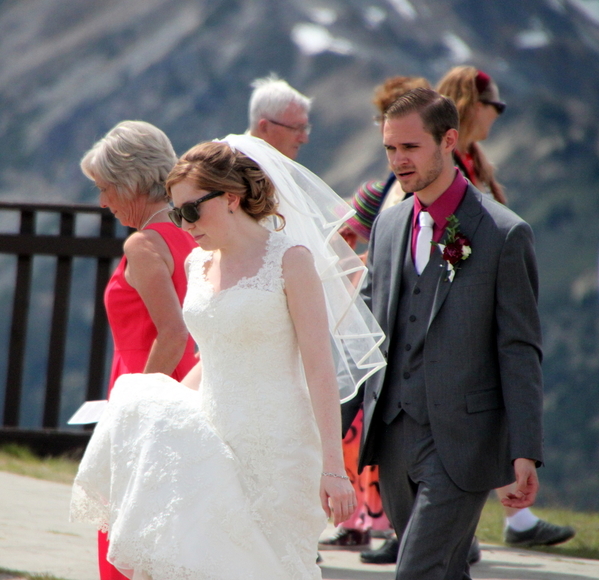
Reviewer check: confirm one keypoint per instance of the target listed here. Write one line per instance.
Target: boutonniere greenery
(456, 247)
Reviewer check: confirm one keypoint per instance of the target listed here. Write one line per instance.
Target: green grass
(19, 459)
(6, 574)
(585, 544)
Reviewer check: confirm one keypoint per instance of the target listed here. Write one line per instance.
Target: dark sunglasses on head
(499, 107)
(190, 211)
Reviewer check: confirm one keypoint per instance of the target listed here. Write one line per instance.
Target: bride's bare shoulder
(298, 264)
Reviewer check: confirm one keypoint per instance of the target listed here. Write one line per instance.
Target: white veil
(313, 213)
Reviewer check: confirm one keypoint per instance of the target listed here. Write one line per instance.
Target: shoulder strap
(271, 273)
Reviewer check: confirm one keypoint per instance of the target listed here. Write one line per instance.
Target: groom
(457, 411)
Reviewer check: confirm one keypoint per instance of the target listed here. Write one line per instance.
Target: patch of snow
(313, 39)
(537, 36)
(557, 5)
(590, 8)
(374, 16)
(460, 51)
(404, 8)
(533, 39)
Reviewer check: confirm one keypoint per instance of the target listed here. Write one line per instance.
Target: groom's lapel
(399, 247)
(469, 214)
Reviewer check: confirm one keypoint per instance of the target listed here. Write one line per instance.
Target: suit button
(399, 405)
(416, 290)
(412, 318)
(408, 347)
(406, 375)
(374, 395)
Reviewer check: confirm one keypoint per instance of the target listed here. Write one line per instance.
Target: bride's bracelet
(325, 473)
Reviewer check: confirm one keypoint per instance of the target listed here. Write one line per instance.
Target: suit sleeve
(519, 343)
(350, 408)
(366, 290)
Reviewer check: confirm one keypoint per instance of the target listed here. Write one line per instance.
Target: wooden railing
(30, 242)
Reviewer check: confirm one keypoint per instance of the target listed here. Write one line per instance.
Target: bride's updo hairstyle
(214, 166)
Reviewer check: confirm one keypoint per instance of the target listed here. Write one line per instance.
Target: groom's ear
(450, 140)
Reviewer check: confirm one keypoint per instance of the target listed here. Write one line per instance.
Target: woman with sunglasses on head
(239, 471)
(477, 99)
(144, 295)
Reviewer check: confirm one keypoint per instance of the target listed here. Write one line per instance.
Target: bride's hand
(337, 495)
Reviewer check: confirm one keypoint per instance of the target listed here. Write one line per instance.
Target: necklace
(153, 215)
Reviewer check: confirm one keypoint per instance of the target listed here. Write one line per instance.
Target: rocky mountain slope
(71, 70)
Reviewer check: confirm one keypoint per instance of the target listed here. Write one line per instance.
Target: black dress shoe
(542, 534)
(474, 554)
(346, 539)
(386, 554)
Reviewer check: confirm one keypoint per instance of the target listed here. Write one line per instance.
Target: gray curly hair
(134, 156)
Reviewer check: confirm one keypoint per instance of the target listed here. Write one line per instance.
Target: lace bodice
(247, 343)
(269, 277)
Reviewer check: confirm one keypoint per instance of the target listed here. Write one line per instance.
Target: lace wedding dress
(222, 483)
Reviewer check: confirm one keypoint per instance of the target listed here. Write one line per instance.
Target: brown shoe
(346, 539)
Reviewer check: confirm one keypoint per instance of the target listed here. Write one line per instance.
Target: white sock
(522, 520)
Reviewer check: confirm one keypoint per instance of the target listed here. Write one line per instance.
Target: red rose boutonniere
(456, 248)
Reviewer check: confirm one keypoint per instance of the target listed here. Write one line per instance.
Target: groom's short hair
(438, 113)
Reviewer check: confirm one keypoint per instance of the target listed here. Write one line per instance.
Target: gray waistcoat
(404, 382)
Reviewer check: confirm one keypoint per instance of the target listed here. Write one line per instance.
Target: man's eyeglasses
(190, 211)
(499, 107)
(307, 128)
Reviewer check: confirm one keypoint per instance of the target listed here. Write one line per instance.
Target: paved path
(498, 563)
(35, 532)
(36, 536)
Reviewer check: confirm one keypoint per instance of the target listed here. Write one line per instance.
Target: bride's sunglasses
(190, 211)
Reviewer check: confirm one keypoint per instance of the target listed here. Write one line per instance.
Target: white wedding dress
(222, 483)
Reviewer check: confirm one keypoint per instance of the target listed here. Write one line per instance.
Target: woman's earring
(230, 211)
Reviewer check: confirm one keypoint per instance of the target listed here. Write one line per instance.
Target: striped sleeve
(367, 202)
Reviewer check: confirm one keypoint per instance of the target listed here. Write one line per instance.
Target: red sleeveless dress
(133, 333)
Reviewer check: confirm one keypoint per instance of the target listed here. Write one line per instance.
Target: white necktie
(423, 241)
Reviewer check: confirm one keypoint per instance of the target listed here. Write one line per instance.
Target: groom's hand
(527, 485)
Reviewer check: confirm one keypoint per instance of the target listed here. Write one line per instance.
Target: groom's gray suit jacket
(482, 343)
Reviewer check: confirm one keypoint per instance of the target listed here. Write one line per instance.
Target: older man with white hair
(278, 113)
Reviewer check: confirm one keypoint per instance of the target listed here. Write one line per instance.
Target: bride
(231, 473)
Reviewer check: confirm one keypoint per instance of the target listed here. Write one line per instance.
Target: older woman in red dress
(144, 296)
